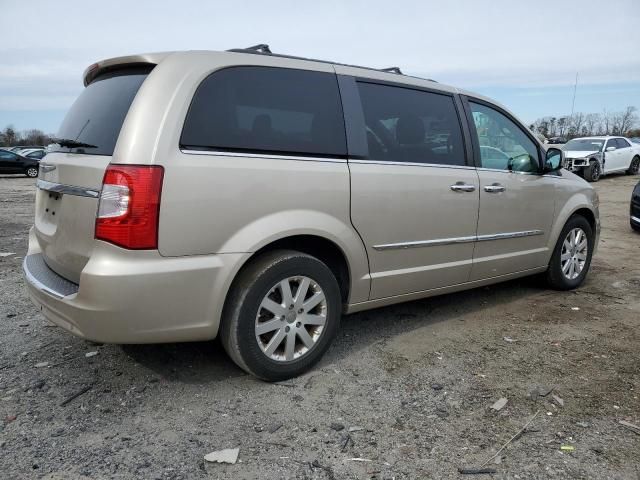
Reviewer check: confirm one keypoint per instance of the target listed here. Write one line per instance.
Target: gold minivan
(258, 197)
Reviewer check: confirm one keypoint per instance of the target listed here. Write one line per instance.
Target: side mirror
(610, 149)
(554, 160)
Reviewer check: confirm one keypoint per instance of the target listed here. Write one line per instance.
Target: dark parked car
(635, 208)
(557, 140)
(11, 162)
(35, 153)
(17, 148)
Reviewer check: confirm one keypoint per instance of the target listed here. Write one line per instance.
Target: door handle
(462, 187)
(494, 188)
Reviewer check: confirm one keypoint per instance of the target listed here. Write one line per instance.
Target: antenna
(573, 104)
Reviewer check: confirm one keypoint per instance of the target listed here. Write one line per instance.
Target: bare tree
(563, 124)
(577, 122)
(9, 136)
(608, 119)
(592, 122)
(627, 119)
(35, 137)
(552, 126)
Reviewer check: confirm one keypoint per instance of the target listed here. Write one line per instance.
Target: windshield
(584, 145)
(96, 117)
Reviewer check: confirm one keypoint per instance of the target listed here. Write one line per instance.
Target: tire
(262, 282)
(634, 226)
(593, 172)
(634, 167)
(31, 172)
(557, 277)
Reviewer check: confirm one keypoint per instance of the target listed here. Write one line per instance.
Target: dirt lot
(414, 383)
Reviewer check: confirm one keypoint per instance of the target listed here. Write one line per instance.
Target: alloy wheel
(574, 253)
(291, 318)
(32, 172)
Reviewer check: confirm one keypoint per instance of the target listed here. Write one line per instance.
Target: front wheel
(634, 167)
(281, 315)
(572, 255)
(593, 172)
(31, 172)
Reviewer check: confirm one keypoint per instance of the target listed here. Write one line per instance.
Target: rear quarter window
(267, 110)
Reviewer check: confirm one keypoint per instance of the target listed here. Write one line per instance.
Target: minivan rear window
(267, 110)
(96, 117)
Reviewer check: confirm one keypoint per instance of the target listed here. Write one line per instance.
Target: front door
(414, 199)
(7, 161)
(516, 202)
(612, 160)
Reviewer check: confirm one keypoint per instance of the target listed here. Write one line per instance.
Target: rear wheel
(571, 257)
(31, 172)
(634, 167)
(593, 172)
(281, 315)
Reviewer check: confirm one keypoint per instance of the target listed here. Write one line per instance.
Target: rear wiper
(69, 143)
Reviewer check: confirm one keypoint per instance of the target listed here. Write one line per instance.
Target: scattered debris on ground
(228, 455)
(411, 384)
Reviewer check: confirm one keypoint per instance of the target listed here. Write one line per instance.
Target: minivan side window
(267, 110)
(503, 144)
(408, 125)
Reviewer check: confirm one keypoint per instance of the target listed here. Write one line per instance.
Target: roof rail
(263, 49)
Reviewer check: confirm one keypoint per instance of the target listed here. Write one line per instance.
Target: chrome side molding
(500, 236)
(66, 189)
(425, 243)
(455, 240)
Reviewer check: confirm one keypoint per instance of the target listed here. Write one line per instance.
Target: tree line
(10, 137)
(579, 125)
(582, 125)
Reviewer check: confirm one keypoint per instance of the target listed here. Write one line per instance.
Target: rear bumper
(134, 297)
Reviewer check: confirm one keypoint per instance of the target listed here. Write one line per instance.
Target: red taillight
(129, 206)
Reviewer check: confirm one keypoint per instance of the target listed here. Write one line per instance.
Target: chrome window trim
(635, 219)
(456, 240)
(219, 153)
(483, 169)
(411, 164)
(66, 189)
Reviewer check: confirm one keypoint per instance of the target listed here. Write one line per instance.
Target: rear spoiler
(103, 66)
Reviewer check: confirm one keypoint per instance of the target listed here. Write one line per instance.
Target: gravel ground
(407, 389)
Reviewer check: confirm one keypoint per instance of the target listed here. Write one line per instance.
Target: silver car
(258, 197)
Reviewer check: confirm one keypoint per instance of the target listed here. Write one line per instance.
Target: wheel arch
(582, 204)
(322, 248)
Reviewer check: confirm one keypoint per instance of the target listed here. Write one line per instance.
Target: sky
(524, 54)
